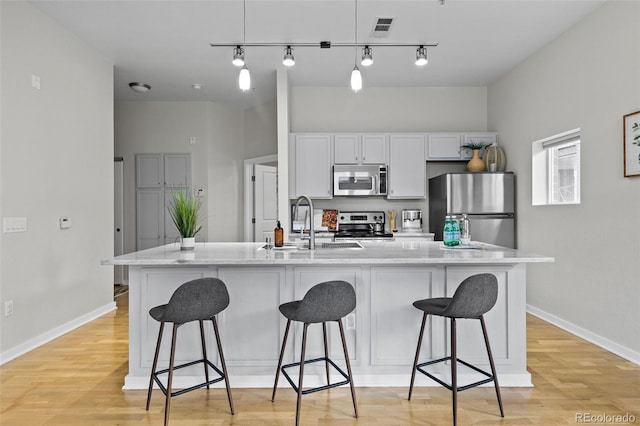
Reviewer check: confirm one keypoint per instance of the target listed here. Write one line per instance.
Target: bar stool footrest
(189, 364)
(319, 388)
(447, 385)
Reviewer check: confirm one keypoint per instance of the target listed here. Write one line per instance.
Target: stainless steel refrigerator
(487, 198)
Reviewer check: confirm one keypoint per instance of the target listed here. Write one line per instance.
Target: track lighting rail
(322, 44)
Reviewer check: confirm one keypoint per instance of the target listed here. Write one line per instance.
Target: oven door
(354, 183)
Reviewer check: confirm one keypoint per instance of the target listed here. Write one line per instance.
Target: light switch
(65, 222)
(14, 224)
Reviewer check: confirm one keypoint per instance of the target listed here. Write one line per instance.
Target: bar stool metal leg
(326, 350)
(493, 367)
(223, 363)
(454, 371)
(204, 353)
(304, 345)
(346, 359)
(284, 343)
(155, 364)
(167, 404)
(415, 361)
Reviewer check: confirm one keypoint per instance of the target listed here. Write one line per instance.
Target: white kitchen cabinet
(157, 176)
(407, 166)
(395, 322)
(311, 166)
(360, 148)
(444, 146)
(477, 137)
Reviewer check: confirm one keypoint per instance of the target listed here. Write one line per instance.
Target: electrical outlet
(351, 321)
(8, 308)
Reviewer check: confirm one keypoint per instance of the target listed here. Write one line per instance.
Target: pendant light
(238, 56)
(244, 80)
(421, 56)
(288, 60)
(367, 58)
(356, 77)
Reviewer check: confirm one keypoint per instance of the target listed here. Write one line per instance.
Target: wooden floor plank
(77, 380)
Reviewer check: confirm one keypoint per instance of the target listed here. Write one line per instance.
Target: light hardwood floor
(77, 380)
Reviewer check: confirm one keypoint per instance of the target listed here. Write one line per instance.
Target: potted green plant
(476, 164)
(185, 213)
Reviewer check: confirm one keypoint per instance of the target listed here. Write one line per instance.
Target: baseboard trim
(50, 335)
(604, 343)
(360, 380)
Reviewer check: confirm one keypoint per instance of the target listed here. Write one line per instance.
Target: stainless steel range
(362, 225)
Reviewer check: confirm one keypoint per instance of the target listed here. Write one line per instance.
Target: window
(556, 169)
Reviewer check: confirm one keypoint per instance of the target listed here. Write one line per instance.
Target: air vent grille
(382, 27)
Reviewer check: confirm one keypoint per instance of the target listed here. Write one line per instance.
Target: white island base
(381, 333)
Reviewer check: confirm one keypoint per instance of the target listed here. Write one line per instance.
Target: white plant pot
(187, 243)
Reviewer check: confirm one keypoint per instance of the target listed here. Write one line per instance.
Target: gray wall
(587, 78)
(57, 160)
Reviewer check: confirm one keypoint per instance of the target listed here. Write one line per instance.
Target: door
(265, 201)
(118, 218)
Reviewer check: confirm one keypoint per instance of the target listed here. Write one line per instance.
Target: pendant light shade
(421, 56)
(288, 60)
(244, 81)
(356, 79)
(367, 58)
(238, 56)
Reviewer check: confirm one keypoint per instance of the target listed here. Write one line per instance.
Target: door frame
(249, 191)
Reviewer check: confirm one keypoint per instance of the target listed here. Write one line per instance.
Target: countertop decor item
(476, 164)
(631, 129)
(185, 212)
(494, 158)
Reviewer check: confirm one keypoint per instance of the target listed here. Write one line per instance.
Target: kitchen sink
(319, 245)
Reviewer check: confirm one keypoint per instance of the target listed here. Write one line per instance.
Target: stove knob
(341, 217)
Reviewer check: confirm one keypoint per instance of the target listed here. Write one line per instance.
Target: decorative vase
(475, 164)
(187, 243)
(494, 158)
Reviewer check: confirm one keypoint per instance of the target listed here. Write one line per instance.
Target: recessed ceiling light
(196, 86)
(139, 87)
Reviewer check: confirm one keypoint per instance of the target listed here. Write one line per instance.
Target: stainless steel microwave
(359, 181)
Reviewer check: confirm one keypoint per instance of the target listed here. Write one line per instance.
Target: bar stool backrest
(200, 299)
(475, 296)
(327, 301)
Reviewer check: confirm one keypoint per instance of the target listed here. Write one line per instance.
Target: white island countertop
(373, 253)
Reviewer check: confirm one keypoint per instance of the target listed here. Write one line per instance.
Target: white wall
(388, 109)
(587, 78)
(57, 160)
(261, 131)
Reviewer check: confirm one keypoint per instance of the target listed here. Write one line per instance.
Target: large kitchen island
(381, 333)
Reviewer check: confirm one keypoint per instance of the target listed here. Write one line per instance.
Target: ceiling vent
(382, 27)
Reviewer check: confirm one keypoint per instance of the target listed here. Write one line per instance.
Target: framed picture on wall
(631, 132)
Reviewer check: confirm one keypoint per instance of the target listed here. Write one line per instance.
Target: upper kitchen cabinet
(478, 137)
(360, 149)
(310, 165)
(407, 167)
(444, 147)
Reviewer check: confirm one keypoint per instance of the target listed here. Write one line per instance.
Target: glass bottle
(465, 230)
(447, 231)
(278, 235)
(455, 239)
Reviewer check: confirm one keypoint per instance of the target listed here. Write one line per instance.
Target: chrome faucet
(312, 238)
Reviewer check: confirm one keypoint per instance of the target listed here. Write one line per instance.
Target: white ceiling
(167, 43)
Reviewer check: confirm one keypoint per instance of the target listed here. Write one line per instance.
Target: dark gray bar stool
(327, 301)
(475, 296)
(198, 300)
